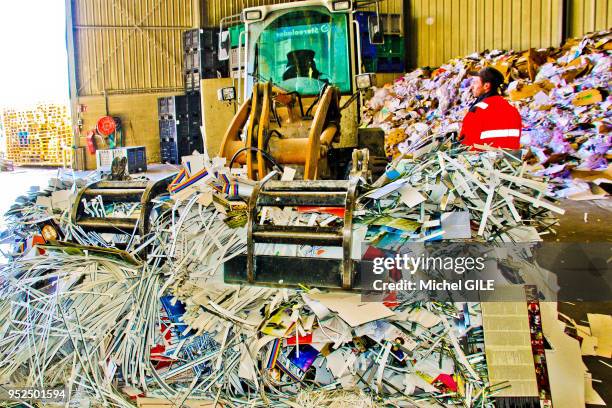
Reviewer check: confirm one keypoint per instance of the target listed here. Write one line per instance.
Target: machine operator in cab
(491, 120)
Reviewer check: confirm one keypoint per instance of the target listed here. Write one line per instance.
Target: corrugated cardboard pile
(563, 95)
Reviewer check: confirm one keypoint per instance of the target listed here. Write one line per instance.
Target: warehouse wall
(444, 29)
(113, 39)
(138, 113)
(584, 16)
(132, 51)
(214, 10)
(127, 46)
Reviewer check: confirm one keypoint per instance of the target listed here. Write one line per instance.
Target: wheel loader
(300, 93)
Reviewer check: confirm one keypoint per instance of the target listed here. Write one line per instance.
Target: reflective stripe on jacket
(492, 121)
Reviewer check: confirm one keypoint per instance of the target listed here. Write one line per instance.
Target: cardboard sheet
(590, 395)
(423, 317)
(411, 196)
(351, 309)
(601, 327)
(61, 199)
(387, 189)
(508, 344)
(564, 361)
(456, 225)
(589, 345)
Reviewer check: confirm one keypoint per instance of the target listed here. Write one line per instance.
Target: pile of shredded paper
(154, 325)
(563, 95)
(450, 193)
(117, 328)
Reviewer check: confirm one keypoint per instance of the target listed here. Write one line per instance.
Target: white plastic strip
(489, 134)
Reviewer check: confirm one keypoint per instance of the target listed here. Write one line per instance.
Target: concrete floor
(574, 227)
(593, 229)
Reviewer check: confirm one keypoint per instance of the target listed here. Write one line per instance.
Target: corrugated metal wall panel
(215, 10)
(444, 29)
(127, 46)
(130, 46)
(150, 13)
(585, 16)
(387, 7)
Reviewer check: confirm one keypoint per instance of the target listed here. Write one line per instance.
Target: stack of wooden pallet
(38, 136)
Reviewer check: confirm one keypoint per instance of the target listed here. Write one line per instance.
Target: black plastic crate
(201, 38)
(188, 82)
(169, 153)
(172, 151)
(170, 107)
(168, 147)
(162, 106)
(188, 61)
(200, 60)
(181, 134)
(209, 73)
(192, 81)
(193, 103)
(390, 64)
(189, 38)
(194, 111)
(195, 129)
(209, 60)
(169, 129)
(185, 147)
(209, 38)
(137, 159)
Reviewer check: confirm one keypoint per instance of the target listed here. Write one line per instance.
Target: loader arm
(287, 144)
(231, 140)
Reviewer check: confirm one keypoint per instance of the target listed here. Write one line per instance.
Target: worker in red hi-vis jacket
(491, 120)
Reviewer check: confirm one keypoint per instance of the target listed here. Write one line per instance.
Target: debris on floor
(563, 95)
(102, 322)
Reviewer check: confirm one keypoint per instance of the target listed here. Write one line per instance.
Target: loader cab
(299, 46)
(301, 49)
(298, 90)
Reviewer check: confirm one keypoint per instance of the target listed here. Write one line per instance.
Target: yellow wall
(588, 15)
(216, 116)
(131, 50)
(138, 114)
(130, 46)
(445, 29)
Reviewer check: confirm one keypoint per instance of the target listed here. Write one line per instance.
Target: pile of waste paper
(563, 95)
(448, 193)
(154, 325)
(26, 219)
